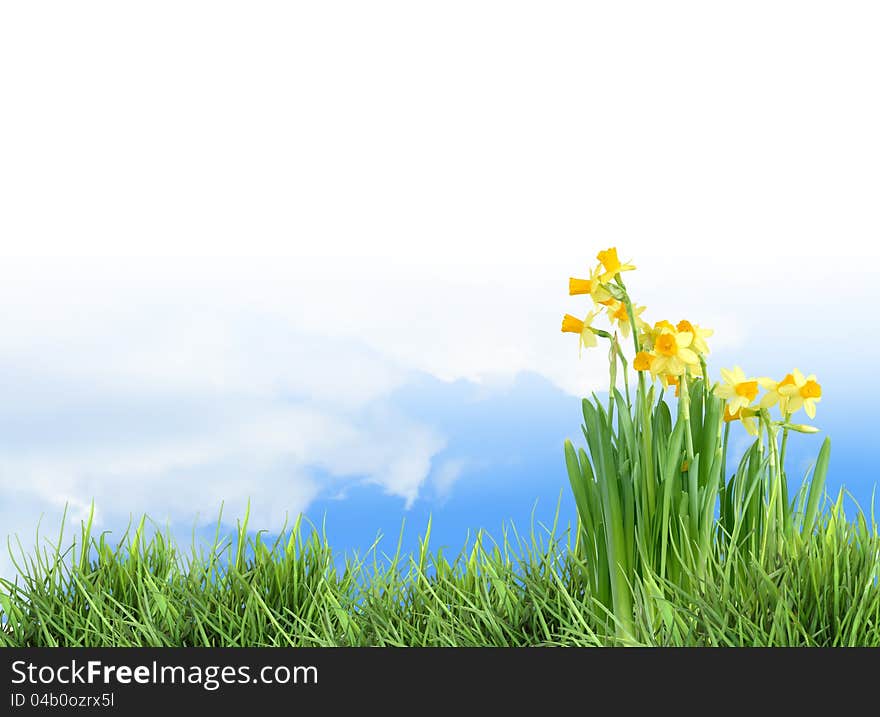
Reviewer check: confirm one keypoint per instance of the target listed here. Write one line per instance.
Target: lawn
(524, 590)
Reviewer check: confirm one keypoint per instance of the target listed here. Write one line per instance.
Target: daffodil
(746, 416)
(611, 264)
(669, 380)
(617, 314)
(700, 335)
(802, 392)
(643, 361)
(593, 286)
(648, 334)
(646, 338)
(776, 393)
(573, 325)
(737, 389)
(672, 351)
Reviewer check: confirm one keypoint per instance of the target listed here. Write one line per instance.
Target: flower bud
(800, 427)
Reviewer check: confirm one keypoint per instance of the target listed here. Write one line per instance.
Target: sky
(315, 256)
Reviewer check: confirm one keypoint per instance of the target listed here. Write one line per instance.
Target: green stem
(630, 313)
(725, 516)
(775, 507)
(784, 442)
(647, 440)
(705, 372)
(625, 365)
(684, 404)
(612, 354)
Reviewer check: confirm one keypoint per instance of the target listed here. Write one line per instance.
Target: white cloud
(171, 414)
(446, 475)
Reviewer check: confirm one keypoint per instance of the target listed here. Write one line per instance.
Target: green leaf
(817, 486)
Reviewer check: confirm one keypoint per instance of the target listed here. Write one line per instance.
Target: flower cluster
(674, 352)
(665, 350)
(792, 393)
(607, 296)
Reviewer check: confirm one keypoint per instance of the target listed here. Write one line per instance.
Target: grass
(534, 590)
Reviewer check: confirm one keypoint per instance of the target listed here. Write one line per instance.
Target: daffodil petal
(688, 356)
(769, 399)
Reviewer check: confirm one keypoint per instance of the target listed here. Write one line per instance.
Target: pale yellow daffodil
(648, 334)
(736, 388)
(802, 392)
(673, 353)
(700, 335)
(775, 393)
(618, 315)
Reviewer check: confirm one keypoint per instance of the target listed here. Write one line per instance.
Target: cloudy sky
(316, 255)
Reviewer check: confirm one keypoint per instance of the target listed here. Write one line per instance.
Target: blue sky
(316, 256)
(508, 445)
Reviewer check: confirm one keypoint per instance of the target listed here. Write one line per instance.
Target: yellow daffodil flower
(646, 338)
(617, 314)
(737, 389)
(608, 259)
(650, 334)
(672, 352)
(700, 335)
(802, 392)
(775, 393)
(573, 325)
(593, 286)
(746, 416)
(643, 361)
